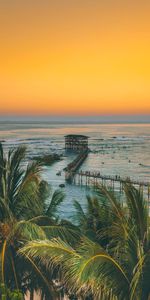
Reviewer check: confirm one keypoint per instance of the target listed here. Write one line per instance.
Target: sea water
(115, 149)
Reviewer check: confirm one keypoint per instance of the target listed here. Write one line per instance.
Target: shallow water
(116, 149)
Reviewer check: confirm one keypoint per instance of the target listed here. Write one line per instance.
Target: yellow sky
(71, 56)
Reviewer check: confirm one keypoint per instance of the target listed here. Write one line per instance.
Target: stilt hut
(76, 142)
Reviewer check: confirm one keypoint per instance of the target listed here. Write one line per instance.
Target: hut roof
(78, 136)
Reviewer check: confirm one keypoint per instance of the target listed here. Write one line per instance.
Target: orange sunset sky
(74, 57)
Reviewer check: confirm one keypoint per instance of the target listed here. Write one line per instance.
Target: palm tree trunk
(42, 295)
(31, 294)
(14, 271)
(3, 261)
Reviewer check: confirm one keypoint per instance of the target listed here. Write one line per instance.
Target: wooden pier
(97, 175)
(94, 178)
(72, 168)
(72, 175)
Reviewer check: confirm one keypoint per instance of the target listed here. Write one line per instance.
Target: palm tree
(118, 271)
(27, 211)
(19, 201)
(94, 218)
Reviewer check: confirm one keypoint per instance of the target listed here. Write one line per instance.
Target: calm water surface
(116, 149)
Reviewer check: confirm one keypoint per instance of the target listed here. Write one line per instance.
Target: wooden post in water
(113, 185)
(120, 187)
(81, 178)
(88, 180)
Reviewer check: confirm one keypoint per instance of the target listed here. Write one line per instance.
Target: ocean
(115, 149)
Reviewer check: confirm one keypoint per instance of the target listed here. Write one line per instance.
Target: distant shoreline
(73, 122)
(76, 119)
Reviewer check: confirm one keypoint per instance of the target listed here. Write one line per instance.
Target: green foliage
(113, 261)
(23, 212)
(19, 187)
(7, 294)
(106, 256)
(56, 199)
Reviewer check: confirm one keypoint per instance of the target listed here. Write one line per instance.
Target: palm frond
(1, 159)
(119, 222)
(88, 264)
(66, 233)
(50, 286)
(137, 209)
(26, 231)
(15, 159)
(80, 215)
(5, 212)
(56, 200)
(31, 175)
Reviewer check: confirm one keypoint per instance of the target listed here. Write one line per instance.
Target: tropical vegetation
(23, 212)
(104, 255)
(6, 293)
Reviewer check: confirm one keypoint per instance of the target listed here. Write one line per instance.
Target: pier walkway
(72, 173)
(116, 178)
(94, 178)
(72, 168)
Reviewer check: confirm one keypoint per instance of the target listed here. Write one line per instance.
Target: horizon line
(93, 119)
